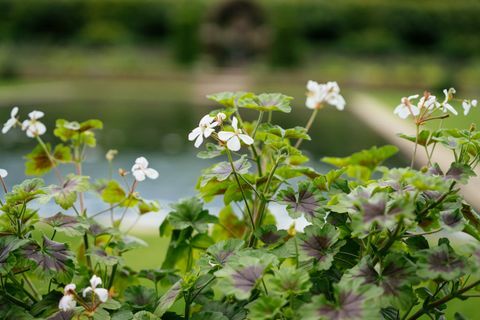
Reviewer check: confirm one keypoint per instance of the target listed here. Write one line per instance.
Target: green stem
(416, 146)
(308, 126)
(443, 300)
(30, 285)
(4, 185)
(19, 285)
(51, 158)
(241, 190)
(112, 276)
(87, 256)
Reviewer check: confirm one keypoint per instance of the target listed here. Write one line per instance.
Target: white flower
(468, 104)
(406, 108)
(10, 122)
(329, 93)
(68, 301)
(220, 117)
(446, 106)
(429, 102)
(204, 129)
(3, 173)
(34, 127)
(233, 138)
(140, 170)
(101, 293)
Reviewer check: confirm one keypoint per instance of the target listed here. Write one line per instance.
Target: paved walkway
(382, 120)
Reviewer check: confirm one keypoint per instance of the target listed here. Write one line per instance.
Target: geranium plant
(381, 243)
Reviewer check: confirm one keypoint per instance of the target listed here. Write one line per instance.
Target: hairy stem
(308, 126)
(443, 300)
(241, 190)
(414, 155)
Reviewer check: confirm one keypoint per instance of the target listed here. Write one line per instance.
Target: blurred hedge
(354, 26)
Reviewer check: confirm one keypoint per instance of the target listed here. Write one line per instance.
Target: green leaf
(169, 298)
(219, 253)
(190, 213)
(25, 192)
(201, 241)
(122, 314)
(140, 297)
(221, 171)
(229, 99)
(210, 315)
(145, 315)
(265, 307)
(288, 281)
(66, 194)
(268, 131)
(243, 272)
(441, 262)
(307, 201)
(53, 259)
(113, 192)
(77, 133)
(423, 138)
(320, 244)
(348, 303)
(267, 102)
(38, 162)
(211, 151)
(71, 226)
(145, 207)
(8, 245)
(361, 164)
(460, 172)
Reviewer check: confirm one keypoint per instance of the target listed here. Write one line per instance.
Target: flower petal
(14, 112)
(86, 291)
(102, 294)
(67, 303)
(151, 173)
(235, 123)
(234, 143)
(3, 173)
(139, 175)
(142, 162)
(199, 141)
(246, 138)
(35, 115)
(225, 135)
(194, 134)
(96, 281)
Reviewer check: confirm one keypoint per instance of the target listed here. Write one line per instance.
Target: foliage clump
(381, 243)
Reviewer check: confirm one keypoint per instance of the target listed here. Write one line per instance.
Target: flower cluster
(428, 104)
(32, 126)
(70, 297)
(3, 173)
(326, 93)
(231, 138)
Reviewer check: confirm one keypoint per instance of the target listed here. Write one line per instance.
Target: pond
(158, 130)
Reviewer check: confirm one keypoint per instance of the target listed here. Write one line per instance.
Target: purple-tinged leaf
(320, 244)
(53, 259)
(350, 303)
(8, 245)
(441, 262)
(306, 201)
(70, 225)
(460, 172)
(169, 298)
(221, 171)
